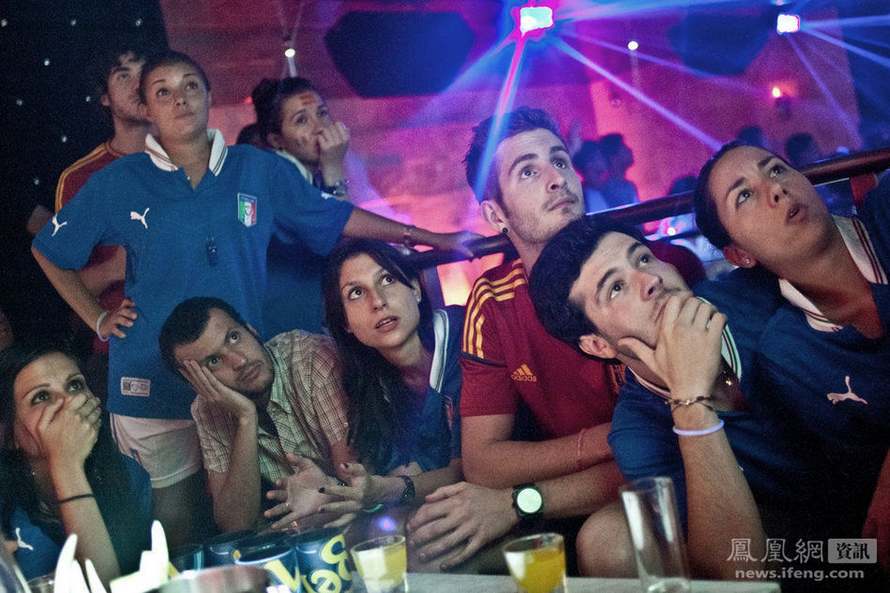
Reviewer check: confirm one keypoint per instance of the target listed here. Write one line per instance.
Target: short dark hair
(557, 269)
(796, 145)
(752, 136)
(610, 144)
(706, 216)
(589, 149)
(524, 119)
(105, 61)
(250, 134)
(269, 96)
(169, 57)
(186, 324)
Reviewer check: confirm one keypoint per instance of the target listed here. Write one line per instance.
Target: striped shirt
(307, 407)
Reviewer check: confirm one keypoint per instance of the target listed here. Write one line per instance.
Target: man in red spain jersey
(511, 363)
(529, 192)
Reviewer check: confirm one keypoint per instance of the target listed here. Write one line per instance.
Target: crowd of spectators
(260, 339)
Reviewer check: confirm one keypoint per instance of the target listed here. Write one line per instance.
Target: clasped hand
(303, 494)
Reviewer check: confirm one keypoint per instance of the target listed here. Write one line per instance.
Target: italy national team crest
(247, 210)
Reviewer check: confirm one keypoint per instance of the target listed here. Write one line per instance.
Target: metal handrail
(862, 163)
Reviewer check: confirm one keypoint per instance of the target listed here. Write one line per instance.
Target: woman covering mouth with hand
(60, 471)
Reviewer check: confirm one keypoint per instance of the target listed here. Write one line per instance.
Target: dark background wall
(50, 117)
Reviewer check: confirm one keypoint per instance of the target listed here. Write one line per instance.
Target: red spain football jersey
(509, 358)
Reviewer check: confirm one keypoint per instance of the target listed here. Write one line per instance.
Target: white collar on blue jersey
(162, 161)
(441, 329)
(863, 253)
(303, 169)
(728, 350)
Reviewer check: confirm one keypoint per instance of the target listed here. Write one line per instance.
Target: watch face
(529, 500)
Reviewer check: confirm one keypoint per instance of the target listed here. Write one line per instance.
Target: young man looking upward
(739, 473)
(529, 193)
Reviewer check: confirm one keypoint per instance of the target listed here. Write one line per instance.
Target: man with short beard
(257, 404)
(529, 192)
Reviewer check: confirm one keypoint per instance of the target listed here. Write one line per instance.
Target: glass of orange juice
(382, 563)
(537, 563)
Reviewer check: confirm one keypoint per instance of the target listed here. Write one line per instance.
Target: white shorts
(167, 449)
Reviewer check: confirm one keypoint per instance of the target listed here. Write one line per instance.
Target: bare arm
(332, 145)
(99, 277)
(877, 523)
(236, 492)
(719, 502)
(364, 490)
(458, 519)
(491, 459)
(38, 219)
(72, 289)
(68, 437)
(368, 225)
(581, 493)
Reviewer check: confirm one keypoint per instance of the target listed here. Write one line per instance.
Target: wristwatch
(528, 502)
(338, 190)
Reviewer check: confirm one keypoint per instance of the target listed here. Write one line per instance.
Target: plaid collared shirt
(307, 407)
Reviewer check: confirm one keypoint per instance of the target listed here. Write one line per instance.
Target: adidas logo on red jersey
(523, 373)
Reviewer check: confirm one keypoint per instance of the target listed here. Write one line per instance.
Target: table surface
(468, 583)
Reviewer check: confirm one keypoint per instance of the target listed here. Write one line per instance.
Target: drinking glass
(537, 563)
(382, 563)
(650, 508)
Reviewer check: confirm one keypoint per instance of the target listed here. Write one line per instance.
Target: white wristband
(99, 321)
(698, 433)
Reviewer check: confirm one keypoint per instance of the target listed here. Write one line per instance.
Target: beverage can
(322, 558)
(219, 549)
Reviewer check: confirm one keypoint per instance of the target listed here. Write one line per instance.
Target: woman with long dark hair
(60, 471)
(401, 375)
(400, 371)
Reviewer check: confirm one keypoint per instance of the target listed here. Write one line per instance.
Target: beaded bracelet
(698, 433)
(701, 399)
(99, 321)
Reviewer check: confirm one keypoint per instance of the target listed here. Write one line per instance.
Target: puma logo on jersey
(20, 542)
(523, 373)
(56, 224)
(140, 217)
(836, 398)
